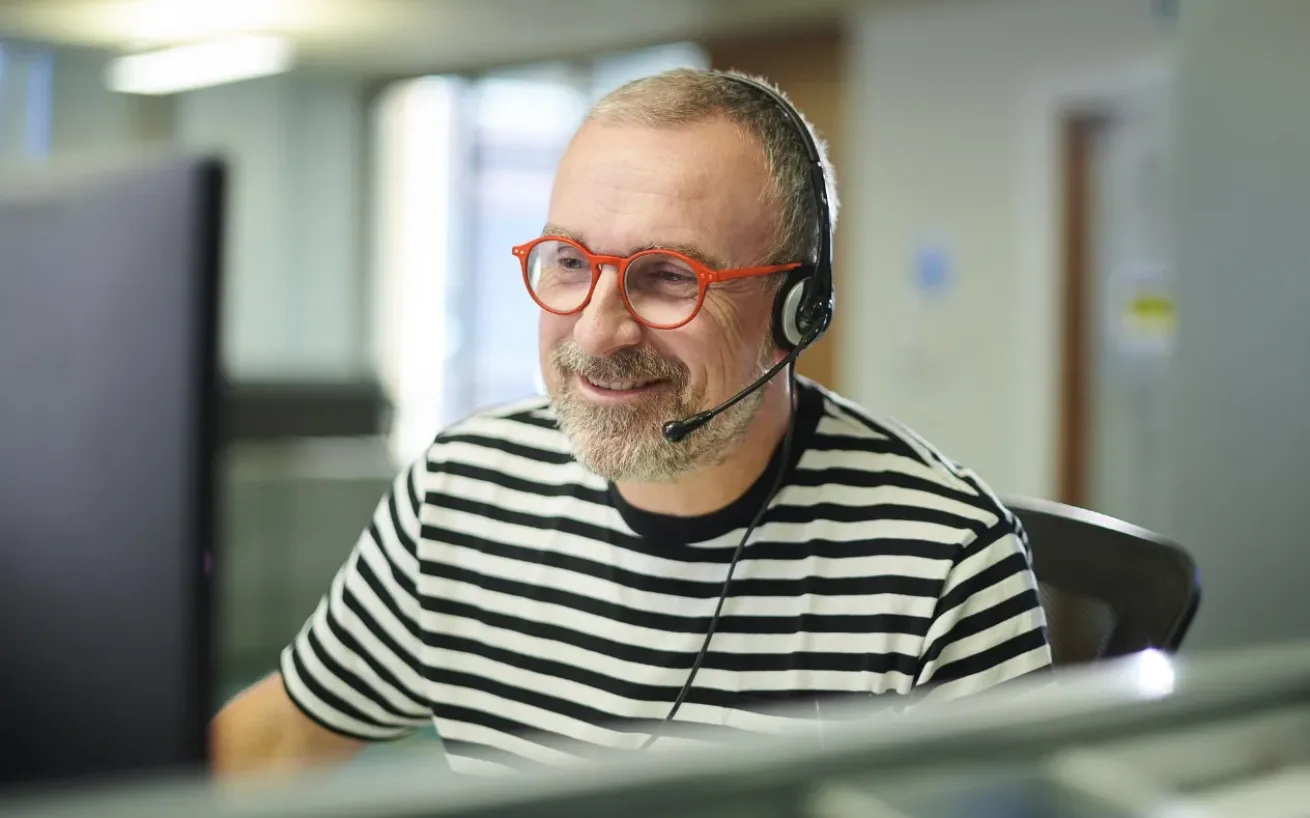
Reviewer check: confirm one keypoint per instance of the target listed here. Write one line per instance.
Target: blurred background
(1067, 255)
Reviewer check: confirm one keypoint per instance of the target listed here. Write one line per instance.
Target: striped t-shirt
(511, 597)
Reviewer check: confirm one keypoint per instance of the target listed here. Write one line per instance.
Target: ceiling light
(164, 23)
(201, 65)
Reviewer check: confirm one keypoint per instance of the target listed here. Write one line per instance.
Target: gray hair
(686, 96)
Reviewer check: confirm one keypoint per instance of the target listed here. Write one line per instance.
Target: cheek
(727, 343)
(551, 330)
(744, 325)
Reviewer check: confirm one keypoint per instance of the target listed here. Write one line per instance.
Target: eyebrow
(689, 250)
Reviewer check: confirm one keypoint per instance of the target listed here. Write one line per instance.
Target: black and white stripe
(507, 594)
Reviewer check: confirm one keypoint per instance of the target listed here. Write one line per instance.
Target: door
(1118, 313)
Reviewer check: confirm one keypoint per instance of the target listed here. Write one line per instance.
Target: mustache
(634, 363)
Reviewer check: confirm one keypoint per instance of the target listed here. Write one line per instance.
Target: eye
(675, 276)
(568, 257)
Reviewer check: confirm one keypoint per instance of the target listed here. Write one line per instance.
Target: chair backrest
(1108, 588)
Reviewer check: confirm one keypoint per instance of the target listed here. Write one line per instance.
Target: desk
(1222, 735)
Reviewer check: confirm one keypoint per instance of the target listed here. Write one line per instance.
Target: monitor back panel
(108, 314)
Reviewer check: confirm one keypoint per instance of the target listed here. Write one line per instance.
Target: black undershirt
(739, 513)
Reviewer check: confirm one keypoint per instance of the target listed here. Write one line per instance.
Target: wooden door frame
(1078, 287)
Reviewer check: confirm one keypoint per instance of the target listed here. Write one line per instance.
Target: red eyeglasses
(661, 289)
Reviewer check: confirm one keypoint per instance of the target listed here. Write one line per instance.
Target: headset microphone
(675, 431)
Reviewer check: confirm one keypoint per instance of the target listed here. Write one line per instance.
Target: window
(25, 88)
(464, 170)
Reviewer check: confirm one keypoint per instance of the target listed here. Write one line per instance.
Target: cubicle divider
(304, 463)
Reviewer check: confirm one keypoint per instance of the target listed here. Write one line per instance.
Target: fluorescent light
(164, 23)
(200, 65)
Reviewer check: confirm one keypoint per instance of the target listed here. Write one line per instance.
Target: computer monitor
(1219, 736)
(108, 375)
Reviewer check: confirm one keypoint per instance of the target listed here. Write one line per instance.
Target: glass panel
(482, 186)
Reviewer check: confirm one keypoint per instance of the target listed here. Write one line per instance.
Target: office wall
(86, 118)
(294, 303)
(1241, 431)
(945, 154)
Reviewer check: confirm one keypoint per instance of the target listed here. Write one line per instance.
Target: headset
(805, 303)
(802, 311)
(803, 307)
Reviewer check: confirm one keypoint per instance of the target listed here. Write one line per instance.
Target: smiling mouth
(620, 386)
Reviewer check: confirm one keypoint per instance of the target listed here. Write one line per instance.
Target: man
(541, 585)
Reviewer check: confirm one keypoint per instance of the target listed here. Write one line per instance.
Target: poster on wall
(1144, 322)
(926, 333)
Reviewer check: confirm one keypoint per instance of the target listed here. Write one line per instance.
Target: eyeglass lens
(661, 288)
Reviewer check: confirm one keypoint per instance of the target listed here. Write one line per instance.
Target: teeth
(619, 386)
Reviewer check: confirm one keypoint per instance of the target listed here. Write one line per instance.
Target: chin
(635, 450)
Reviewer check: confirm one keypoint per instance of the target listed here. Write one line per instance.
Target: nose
(605, 325)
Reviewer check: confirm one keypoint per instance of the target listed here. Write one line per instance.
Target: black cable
(736, 557)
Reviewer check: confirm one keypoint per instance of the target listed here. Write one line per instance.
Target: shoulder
(519, 438)
(895, 467)
(514, 418)
(526, 426)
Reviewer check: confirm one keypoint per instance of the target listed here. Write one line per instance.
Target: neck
(707, 490)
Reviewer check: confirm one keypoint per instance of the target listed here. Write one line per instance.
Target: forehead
(620, 187)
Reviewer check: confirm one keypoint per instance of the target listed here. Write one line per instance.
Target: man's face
(614, 382)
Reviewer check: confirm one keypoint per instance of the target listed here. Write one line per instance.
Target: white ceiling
(390, 37)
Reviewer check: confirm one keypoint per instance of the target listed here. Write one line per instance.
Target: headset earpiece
(790, 309)
(802, 309)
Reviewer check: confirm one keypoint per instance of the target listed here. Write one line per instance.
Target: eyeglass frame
(705, 275)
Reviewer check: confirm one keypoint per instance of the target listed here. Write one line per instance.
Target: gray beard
(626, 443)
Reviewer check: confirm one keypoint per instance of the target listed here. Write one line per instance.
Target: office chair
(1108, 588)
